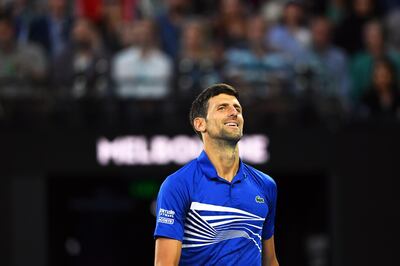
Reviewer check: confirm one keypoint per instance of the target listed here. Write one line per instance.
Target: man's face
(224, 118)
(321, 33)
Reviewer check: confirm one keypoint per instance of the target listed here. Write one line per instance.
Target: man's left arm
(268, 243)
(268, 253)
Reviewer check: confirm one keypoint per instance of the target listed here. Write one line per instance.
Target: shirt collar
(209, 171)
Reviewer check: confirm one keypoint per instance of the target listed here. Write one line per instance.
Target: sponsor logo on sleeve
(166, 216)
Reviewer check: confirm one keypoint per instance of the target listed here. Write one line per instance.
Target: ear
(199, 124)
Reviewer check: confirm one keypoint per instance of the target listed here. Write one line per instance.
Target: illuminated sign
(161, 149)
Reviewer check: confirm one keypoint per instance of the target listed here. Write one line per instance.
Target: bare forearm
(269, 255)
(167, 252)
(270, 262)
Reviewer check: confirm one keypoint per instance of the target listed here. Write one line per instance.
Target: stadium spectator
(229, 27)
(169, 24)
(194, 68)
(382, 100)
(261, 71)
(21, 65)
(291, 36)
(22, 12)
(113, 19)
(142, 75)
(329, 78)
(82, 69)
(336, 11)
(52, 31)
(349, 33)
(392, 23)
(362, 63)
(142, 71)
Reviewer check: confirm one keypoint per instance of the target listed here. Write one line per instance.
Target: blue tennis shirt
(218, 222)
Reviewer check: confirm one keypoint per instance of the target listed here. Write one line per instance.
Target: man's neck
(224, 156)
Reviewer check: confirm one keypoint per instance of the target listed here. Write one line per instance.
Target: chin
(232, 137)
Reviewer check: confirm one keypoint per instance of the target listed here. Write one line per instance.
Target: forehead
(223, 98)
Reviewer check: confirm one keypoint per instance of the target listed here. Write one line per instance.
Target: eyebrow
(226, 104)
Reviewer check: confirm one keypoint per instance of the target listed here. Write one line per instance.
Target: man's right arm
(168, 252)
(172, 205)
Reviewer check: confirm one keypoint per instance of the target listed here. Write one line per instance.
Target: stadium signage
(161, 149)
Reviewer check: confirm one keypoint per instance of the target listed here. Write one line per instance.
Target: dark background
(337, 202)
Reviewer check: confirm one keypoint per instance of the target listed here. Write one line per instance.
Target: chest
(239, 200)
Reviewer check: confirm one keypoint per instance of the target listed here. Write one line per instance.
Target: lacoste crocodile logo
(259, 199)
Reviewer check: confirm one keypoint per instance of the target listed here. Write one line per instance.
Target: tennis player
(216, 210)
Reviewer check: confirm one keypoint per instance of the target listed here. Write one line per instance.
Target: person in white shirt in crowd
(142, 73)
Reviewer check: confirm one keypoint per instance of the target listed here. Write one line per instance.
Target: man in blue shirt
(216, 210)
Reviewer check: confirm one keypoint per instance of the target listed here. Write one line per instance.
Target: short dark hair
(200, 104)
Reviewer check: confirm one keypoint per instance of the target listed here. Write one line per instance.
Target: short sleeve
(172, 206)
(269, 223)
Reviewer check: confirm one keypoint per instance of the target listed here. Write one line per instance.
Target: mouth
(232, 124)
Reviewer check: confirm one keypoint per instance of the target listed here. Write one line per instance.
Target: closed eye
(238, 108)
(222, 107)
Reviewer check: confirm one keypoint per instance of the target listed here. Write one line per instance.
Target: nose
(233, 111)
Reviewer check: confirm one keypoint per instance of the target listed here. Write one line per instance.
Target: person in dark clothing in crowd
(169, 25)
(52, 30)
(80, 77)
(229, 26)
(349, 33)
(382, 101)
(82, 69)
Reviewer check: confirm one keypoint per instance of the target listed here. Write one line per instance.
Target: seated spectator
(328, 76)
(169, 24)
(362, 63)
(111, 20)
(142, 71)
(142, 75)
(392, 23)
(261, 71)
(229, 26)
(22, 12)
(194, 68)
(349, 33)
(291, 36)
(52, 30)
(82, 69)
(21, 65)
(336, 11)
(382, 100)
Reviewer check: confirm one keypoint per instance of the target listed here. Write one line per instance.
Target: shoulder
(183, 177)
(277, 30)
(160, 57)
(361, 58)
(237, 55)
(262, 178)
(126, 54)
(338, 52)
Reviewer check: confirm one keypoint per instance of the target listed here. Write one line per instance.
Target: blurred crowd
(126, 62)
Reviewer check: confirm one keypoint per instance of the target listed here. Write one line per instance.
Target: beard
(230, 136)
